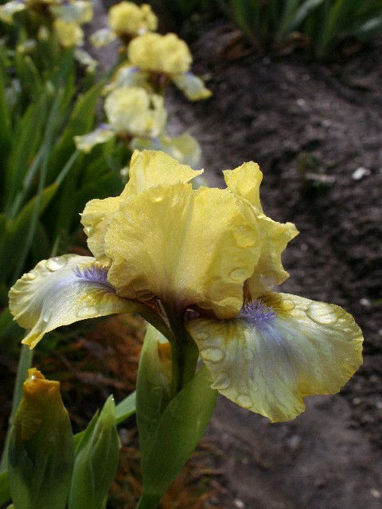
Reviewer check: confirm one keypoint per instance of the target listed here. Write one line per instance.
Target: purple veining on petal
(94, 274)
(104, 127)
(257, 314)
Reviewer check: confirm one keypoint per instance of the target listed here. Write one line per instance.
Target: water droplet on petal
(239, 274)
(30, 276)
(321, 313)
(54, 264)
(287, 305)
(297, 313)
(157, 199)
(245, 236)
(244, 401)
(87, 312)
(202, 336)
(212, 354)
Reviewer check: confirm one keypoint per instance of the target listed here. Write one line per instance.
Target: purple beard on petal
(94, 274)
(257, 314)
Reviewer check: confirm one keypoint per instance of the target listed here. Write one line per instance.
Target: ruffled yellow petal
(160, 53)
(68, 34)
(278, 351)
(127, 18)
(95, 218)
(132, 111)
(245, 181)
(192, 86)
(188, 247)
(61, 291)
(151, 168)
(184, 148)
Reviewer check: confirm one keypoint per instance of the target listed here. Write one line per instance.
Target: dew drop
(321, 313)
(54, 264)
(212, 354)
(287, 305)
(202, 336)
(238, 274)
(244, 401)
(297, 313)
(30, 276)
(157, 199)
(87, 312)
(245, 236)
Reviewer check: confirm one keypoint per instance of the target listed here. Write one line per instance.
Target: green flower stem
(184, 352)
(25, 362)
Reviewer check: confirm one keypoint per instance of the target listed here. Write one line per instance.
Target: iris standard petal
(151, 168)
(160, 53)
(192, 86)
(95, 218)
(61, 291)
(245, 181)
(278, 351)
(188, 247)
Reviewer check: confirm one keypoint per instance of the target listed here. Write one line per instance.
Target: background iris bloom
(210, 258)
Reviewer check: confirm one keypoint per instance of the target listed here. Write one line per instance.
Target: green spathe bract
(41, 449)
(96, 461)
(169, 430)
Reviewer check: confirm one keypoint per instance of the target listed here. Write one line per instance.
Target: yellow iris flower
(139, 118)
(154, 60)
(126, 21)
(209, 257)
(67, 17)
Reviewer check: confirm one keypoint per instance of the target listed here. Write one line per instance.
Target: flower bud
(96, 461)
(41, 451)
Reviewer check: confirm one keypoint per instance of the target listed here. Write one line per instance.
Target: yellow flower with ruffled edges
(127, 18)
(160, 59)
(126, 21)
(211, 257)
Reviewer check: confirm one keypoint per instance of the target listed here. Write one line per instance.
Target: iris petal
(61, 291)
(182, 245)
(192, 86)
(278, 351)
(86, 142)
(245, 182)
(151, 168)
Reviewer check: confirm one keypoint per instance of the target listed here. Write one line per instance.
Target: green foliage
(40, 112)
(324, 23)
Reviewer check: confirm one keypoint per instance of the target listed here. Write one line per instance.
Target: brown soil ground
(315, 130)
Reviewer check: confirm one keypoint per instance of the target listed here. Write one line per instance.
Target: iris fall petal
(192, 86)
(278, 351)
(61, 291)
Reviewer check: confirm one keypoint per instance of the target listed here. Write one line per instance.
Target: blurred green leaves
(322, 25)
